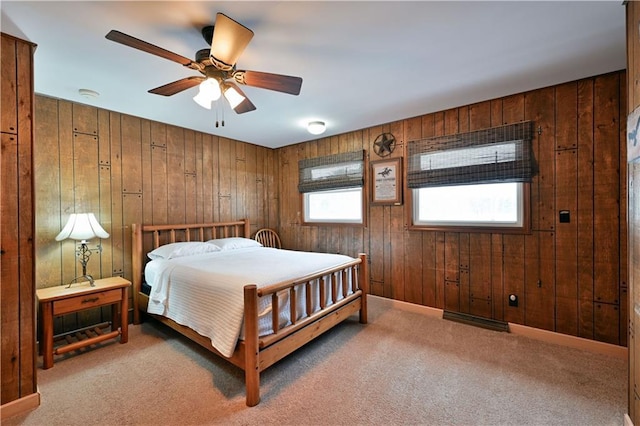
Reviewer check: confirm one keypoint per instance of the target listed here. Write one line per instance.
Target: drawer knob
(91, 300)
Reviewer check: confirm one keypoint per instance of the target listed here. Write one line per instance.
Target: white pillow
(233, 243)
(187, 248)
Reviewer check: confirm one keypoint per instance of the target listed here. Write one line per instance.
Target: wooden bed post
(252, 367)
(364, 286)
(136, 248)
(247, 228)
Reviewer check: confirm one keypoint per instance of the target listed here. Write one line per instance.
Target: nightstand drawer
(87, 301)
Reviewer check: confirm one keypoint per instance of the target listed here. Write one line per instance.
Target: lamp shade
(232, 95)
(209, 92)
(82, 226)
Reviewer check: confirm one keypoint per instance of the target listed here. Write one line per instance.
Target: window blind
(498, 154)
(331, 172)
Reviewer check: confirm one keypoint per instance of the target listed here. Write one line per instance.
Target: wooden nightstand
(61, 300)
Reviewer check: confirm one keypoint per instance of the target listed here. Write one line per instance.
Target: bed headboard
(147, 237)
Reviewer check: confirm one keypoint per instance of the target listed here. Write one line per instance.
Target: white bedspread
(205, 291)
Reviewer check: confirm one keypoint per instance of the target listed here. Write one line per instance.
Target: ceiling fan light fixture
(202, 100)
(209, 92)
(232, 95)
(316, 127)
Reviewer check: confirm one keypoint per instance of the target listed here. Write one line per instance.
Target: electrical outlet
(513, 300)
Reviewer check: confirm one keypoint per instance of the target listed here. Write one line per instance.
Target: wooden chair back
(268, 238)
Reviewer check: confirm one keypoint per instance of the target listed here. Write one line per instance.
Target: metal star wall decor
(384, 144)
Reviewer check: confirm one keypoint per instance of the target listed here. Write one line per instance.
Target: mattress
(205, 292)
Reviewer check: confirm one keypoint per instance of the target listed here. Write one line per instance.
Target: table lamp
(82, 227)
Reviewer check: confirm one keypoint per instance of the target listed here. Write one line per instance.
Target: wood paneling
(17, 276)
(9, 86)
(631, 291)
(568, 276)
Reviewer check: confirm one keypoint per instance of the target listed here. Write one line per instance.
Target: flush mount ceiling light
(88, 93)
(316, 127)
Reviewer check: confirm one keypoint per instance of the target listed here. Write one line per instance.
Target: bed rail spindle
(293, 310)
(344, 282)
(334, 288)
(308, 298)
(322, 282)
(156, 239)
(275, 312)
(172, 235)
(354, 278)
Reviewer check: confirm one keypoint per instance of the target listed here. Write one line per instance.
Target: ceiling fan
(217, 64)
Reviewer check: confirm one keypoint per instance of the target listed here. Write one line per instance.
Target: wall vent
(491, 324)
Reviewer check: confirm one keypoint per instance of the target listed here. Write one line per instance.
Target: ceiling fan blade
(130, 41)
(230, 38)
(246, 105)
(177, 86)
(265, 80)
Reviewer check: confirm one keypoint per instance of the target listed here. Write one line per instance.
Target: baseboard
(523, 330)
(627, 420)
(570, 341)
(20, 406)
(410, 307)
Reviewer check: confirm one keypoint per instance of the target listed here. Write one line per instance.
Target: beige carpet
(402, 368)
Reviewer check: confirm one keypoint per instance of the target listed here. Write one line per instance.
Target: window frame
(524, 229)
(363, 205)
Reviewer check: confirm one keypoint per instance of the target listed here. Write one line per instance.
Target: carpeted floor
(403, 368)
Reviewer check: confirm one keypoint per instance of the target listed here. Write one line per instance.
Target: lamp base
(85, 276)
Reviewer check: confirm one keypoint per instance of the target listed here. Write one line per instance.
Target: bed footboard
(347, 296)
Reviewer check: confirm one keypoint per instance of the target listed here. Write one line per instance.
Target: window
(497, 205)
(331, 188)
(334, 206)
(471, 180)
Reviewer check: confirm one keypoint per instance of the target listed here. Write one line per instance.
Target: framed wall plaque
(386, 181)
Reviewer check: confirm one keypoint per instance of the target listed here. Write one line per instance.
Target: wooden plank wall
(17, 289)
(569, 277)
(127, 169)
(633, 176)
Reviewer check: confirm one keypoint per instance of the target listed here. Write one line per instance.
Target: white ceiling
(362, 63)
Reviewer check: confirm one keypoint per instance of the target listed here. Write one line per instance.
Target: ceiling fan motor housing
(202, 55)
(207, 33)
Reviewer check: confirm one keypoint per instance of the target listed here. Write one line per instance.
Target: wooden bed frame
(254, 354)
